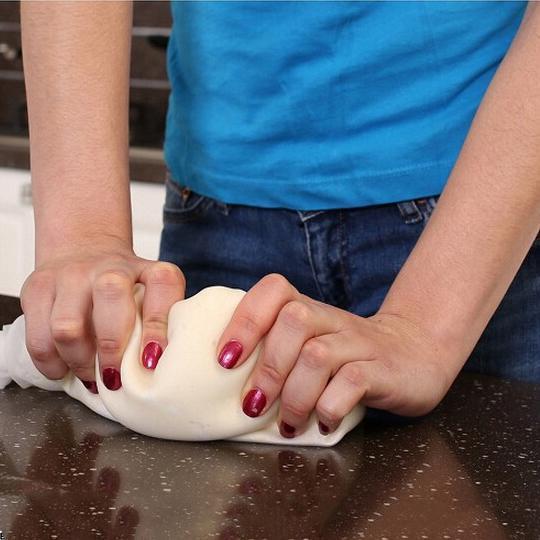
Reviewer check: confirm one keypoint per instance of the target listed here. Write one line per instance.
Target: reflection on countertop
(470, 469)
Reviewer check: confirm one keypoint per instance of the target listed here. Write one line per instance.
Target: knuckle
(295, 408)
(41, 279)
(328, 413)
(295, 314)
(37, 283)
(314, 354)
(113, 283)
(269, 371)
(353, 375)
(155, 322)
(67, 329)
(165, 273)
(79, 366)
(40, 349)
(249, 324)
(109, 346)
(276, 282)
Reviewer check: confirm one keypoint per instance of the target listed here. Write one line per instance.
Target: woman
(308, 144)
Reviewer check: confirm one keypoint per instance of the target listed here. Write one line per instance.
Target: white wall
(17, 225)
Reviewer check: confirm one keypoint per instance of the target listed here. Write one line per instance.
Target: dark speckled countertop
(468, 470)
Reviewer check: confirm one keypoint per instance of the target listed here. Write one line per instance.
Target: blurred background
(149, 92)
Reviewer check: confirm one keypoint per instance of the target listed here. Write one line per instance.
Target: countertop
(468, 470)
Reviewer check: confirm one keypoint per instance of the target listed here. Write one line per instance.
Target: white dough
(189, 396)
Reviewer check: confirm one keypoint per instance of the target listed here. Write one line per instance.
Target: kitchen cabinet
(17, 225)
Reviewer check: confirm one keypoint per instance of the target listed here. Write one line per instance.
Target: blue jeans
(346, 258)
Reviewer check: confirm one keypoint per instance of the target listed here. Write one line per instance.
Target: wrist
(56, 246)
(441, 346)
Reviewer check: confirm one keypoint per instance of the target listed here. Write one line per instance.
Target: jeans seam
(342, 258)
(311, 262)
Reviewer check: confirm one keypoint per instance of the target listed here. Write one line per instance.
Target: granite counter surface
(468, 470)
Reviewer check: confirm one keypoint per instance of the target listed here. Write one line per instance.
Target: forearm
(488, 215)
(76, 63)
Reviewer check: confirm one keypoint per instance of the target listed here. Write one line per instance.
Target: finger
(71, 326)
(253, 318)
(296, 323)
(113, 318)
(164, 285)
(341, 395)
(369, 382)
(37, 299)
(318, 361)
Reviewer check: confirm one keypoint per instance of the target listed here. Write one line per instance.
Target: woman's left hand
(322, 358)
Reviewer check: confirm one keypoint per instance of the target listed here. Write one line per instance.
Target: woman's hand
(80, 297)
(82, 300)
(322, 358)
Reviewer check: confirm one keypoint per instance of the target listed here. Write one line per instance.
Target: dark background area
(149, 90)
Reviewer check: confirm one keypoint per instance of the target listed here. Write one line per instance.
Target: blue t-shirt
(318, 105)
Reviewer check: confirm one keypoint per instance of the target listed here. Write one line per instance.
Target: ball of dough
(190, 396)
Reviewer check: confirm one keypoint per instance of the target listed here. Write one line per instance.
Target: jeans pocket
(182, 204)
(417, 210)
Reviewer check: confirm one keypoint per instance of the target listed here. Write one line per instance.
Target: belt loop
(409, 212)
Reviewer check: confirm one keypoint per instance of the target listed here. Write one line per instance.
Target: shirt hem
(422, 180)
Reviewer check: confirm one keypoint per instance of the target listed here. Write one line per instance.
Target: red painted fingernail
(287, 430)
(230, 354)
(254, 402)
(151, 355)
(111, 378)
(91, 386)
(324, 429)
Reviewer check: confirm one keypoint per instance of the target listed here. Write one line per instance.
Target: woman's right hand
(81, 301)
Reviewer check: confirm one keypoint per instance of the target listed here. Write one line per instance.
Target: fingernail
(111, 378)
(254, 402)
(91, 386)
(324, 429)
(287, 430)
(151, 355)
(230, 354)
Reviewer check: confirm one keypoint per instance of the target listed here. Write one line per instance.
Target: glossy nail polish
(151, 355)
(111, 378)
(91, 386)
(254, 402)
(324, 429)
(287, 430)
(230, 354)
